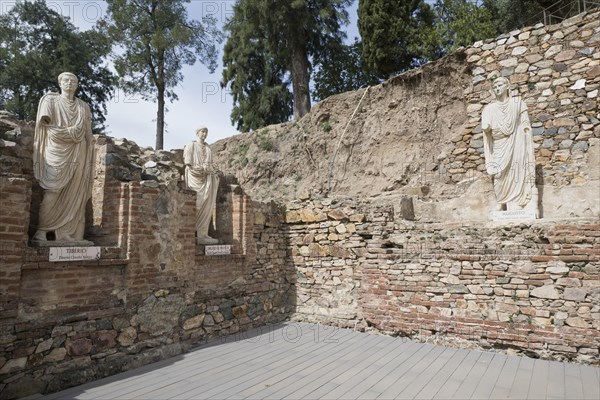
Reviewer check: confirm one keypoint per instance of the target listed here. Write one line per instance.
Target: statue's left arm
(525, 123)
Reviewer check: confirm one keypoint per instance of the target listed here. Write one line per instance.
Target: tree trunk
(160, 119)
(300, 81)
(160, 116)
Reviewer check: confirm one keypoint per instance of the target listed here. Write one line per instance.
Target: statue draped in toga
(200, 177)
(63, 157)
(508, 149)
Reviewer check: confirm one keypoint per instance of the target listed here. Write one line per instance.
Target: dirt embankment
(357, 143)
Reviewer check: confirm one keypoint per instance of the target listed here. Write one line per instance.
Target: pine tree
(457, 23)
(390, 32)
(341, 69)
(290, 33)
(257, 82)
(158, 39)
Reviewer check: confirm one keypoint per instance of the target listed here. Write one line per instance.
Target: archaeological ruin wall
(413, 255)
(530, 288)
(153, 293)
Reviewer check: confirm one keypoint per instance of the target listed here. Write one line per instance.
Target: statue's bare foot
(40, 236)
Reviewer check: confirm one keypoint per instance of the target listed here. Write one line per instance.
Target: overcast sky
(201, 99)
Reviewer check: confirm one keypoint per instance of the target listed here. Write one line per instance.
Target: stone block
(457, 289)
(341, 229)
(44, 346)
(127, 337)
(569, 282)
(565, 55)
(577, 322)
(194, 322)
(338, 215)
(13, 365)
(558, 269)
(545, 292)
(407, 210)
(575, 294)
(56, 355)
(79, 347)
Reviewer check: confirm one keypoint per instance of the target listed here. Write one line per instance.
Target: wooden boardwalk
(304, 361)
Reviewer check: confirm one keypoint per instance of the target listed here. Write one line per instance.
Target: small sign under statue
(217, 249)
(73, 253)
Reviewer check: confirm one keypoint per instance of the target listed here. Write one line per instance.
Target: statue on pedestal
(63, 161)
(201, 177)
(508, 149)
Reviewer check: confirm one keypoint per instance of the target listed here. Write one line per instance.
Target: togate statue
(201, 177)
(63, 159)
(508, 150)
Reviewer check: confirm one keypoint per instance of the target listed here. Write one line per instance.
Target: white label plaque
(217, 249)
(74, 253)
(512, 215)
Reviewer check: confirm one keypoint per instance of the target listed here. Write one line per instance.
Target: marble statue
(202, 178)
(63, 159)
(508, 149)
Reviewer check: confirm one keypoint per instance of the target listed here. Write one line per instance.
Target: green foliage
(390, 32)
(268, 41)
(260, 93)
(341, 69)
(263, 141)
(457, 23)
(157, 39)
(36, 45)
(326, 127)
(239, 155)
(509, 15)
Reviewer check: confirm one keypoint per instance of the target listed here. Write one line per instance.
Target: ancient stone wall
(531, 288)
(151, 295)
(556, 70)
(418, 134)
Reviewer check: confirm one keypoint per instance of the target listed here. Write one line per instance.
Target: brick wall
(556, 70)
(531, 288)
(152, 294)
(15, 197)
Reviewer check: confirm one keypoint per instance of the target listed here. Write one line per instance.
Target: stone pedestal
(53, 243)
(517, 215)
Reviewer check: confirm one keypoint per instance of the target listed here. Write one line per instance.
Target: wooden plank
(411, 374)
(313, 377)
(323, 373)
(556, 381)
(358, 365)
(506, 378)
(392, 375)
(345, 381)
(442, 375)
(539, 380)
(184, 374)
(522, 379)
(469, 384)
(456, 379)
(573, 381)
(292, 368)
(149, 373)
(422, 379)
(180, 378)
(206, 384)
(401, 350)
(591, 383)
(488, 380)
(386, 376)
